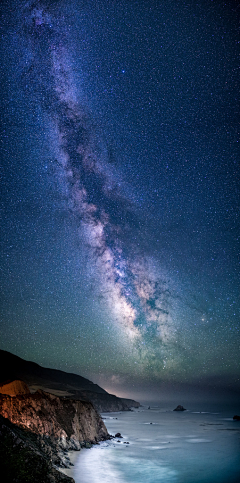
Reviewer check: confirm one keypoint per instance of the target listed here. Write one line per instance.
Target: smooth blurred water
(165, 447)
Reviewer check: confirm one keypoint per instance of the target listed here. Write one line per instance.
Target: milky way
(137, 240)
(137, 298)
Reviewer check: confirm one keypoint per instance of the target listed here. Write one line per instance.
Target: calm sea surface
(165, 447)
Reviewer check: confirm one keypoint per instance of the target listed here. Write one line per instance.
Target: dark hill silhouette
(59, 383)
(13, 367)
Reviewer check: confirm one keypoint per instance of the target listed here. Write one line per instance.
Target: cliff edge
(37, 430)
(68, 423)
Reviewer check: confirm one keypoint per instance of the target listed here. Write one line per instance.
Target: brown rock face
(14, 388)
(67, 422)
(26, 457)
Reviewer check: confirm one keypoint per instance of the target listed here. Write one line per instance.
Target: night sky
(119, 200)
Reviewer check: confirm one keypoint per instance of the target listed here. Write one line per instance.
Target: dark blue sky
(120, 158)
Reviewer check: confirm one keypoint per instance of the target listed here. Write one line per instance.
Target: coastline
(73, 456)
(206, 437)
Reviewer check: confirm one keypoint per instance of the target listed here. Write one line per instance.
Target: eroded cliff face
(37, 430)
(26, 458)
(69, 423)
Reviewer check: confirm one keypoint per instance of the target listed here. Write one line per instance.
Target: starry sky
(119, 200)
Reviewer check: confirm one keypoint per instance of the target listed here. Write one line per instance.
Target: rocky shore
(26, 457)
(37, 430)
(68, 423)
(44, 413)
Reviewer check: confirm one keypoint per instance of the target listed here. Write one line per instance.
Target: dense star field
(120, 204)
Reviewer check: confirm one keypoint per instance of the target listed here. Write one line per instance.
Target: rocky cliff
(26, 458)
(68, 423)
(37, 430)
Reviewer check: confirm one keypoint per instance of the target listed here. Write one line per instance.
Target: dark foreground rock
(26, 458)
(237, 418)
(179, 408)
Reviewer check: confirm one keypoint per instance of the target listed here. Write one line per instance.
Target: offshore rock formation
(67, 423)
(179, 408)
(26, 458)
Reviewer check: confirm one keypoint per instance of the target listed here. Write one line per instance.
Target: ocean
(200, 445)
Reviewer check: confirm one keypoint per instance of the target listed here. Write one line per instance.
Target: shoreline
(73, 456)
(162, 433)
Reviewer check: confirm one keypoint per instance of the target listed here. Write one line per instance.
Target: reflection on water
(165, 447)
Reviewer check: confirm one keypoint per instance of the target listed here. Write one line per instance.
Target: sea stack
(179, 408)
